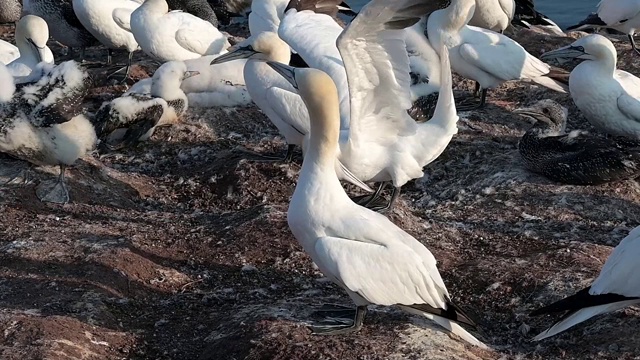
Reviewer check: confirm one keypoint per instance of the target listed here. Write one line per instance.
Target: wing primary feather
(580, 300)
(452, 312)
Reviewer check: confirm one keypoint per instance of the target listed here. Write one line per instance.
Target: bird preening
(386, 171)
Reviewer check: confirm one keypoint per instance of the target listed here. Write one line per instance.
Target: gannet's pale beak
(532, 113)
(188, 74)
(567, 52)
(243, 52)
(286, 71)
(39, 50)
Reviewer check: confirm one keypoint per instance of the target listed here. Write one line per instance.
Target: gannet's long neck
(319, 165)
(155, 7)
(458, 14)
(279, 51)
(605, 63)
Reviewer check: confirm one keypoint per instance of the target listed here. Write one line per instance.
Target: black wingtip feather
(580, 300)
(453, 313)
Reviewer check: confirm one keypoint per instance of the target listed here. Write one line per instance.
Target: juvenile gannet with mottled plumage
(217, 85)
(64, 25)
(32, 34)
(575, 158)
(482, 55)
(363, 252)
(617, 287)
(140, 114)
(494, 15)
(199, 8)
(608, 98)
(621, 15)
(43, 124)
(175, 35)
(108, 21)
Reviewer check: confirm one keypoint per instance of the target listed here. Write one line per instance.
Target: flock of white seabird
(347, 104)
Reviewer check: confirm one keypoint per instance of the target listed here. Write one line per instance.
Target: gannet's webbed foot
(466, 105)
(122, 74)
(17, 174)
(54, 191)
(338, 329)
(387, 206)
(333, 312)
(368, 200)
(266, 158)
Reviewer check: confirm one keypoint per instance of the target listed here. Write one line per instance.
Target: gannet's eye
(545, 111)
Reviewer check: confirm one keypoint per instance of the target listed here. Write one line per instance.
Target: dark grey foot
(14, 175)
(333, 312)
(386, 206)
(121, 75)
(267, 158)
(338, 329)
(53, 191)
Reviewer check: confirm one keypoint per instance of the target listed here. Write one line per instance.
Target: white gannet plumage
(8, 52)
(363, 252)
(32, 34)
(44, 125)
(265, 15)
(217, 85)
(133, 117)
(617, 287)
(482, 55)
(175, 35)
(621, 15)
(109, 22)
(608, 98)
(424, 61)
(494, 15)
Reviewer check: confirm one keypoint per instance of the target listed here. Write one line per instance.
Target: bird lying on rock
(575, 158)
(131, 118)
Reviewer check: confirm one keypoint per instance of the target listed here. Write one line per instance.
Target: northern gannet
(362, 251)
(217, 85)
(137, 115)
(621, 15)
(380, 140)
(64, 26)
(199, 8)
(175, 35)
(10, 11)
(482, 55)
(494, 15)
(608, 98)
(575, 158)
(617, 287)
(109, 22)
(43, 124)
(32, 34)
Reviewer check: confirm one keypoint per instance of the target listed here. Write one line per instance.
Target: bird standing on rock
(575, 158)
(608, 98)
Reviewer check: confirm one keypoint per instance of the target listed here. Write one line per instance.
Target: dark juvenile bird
(64, 25)
(199, 8)
(227, 9)
(133, 117)
(576, 158)
(617, 287)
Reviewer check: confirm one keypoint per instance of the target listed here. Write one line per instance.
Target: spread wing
(375, 58)
(301, 31)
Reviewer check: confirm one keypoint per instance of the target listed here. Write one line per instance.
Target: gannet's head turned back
(592, 47)
(550, 116)
(170, 76)
(265, 46)
(32, 32)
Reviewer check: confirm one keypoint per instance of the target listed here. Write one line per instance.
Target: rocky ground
(179, 248)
